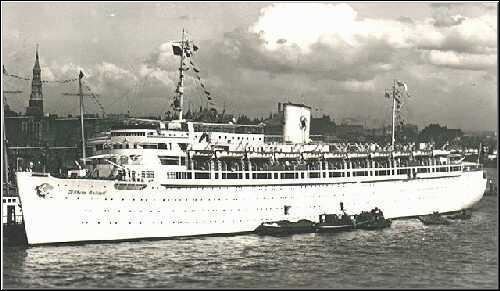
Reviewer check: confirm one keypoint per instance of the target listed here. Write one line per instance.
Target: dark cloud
(406, 19)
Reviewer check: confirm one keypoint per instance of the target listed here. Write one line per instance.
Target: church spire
(36, 98)
(37, 62)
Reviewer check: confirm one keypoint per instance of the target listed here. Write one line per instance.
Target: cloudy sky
(337, 57)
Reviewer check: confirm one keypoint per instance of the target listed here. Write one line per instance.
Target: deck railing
(410, 171)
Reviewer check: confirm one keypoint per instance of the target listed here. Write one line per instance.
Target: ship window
(403, 171)
(149, 146)
(169, 160)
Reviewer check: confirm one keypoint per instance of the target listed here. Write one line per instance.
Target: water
(407, 255)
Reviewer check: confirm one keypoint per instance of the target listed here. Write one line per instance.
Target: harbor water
(407, 255)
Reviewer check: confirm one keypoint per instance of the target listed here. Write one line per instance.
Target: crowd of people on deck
(374, 147)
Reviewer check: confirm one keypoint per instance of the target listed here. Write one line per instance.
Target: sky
(337, 57)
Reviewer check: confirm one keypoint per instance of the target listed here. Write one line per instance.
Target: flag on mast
(177, 49)
(400, 83)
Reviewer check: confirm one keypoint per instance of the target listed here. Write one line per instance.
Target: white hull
(158, 212)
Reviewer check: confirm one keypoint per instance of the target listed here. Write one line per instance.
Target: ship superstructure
(155, 179)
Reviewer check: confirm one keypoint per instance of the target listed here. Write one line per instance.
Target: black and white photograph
(271, 145)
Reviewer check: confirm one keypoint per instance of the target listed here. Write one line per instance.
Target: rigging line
(43, 81)
(94, 98)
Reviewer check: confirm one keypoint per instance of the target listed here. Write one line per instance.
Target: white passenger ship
(185, 178)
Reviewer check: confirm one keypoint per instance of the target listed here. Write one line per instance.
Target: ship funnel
(297, 119)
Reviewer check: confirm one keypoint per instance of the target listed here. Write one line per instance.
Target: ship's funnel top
(297, 120)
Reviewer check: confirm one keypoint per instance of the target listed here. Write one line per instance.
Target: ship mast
(393, 114)
(180, 88)
(80, 92)
(82, 111)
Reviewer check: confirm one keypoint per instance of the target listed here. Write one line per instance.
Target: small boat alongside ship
(335, 223)
(285, 227)
(372, 220)
(434, 219)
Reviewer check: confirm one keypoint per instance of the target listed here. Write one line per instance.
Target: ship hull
(77, 210)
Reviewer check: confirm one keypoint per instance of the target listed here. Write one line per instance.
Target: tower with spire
(35, 107)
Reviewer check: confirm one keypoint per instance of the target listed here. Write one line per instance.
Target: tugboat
(462, 215)
(372, 220)
(334, 223)
(433, 219)
(285, 227)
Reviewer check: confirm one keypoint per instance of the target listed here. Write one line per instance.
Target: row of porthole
(173, 210)
(161, 222)
(167, 200)
(175, 200)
